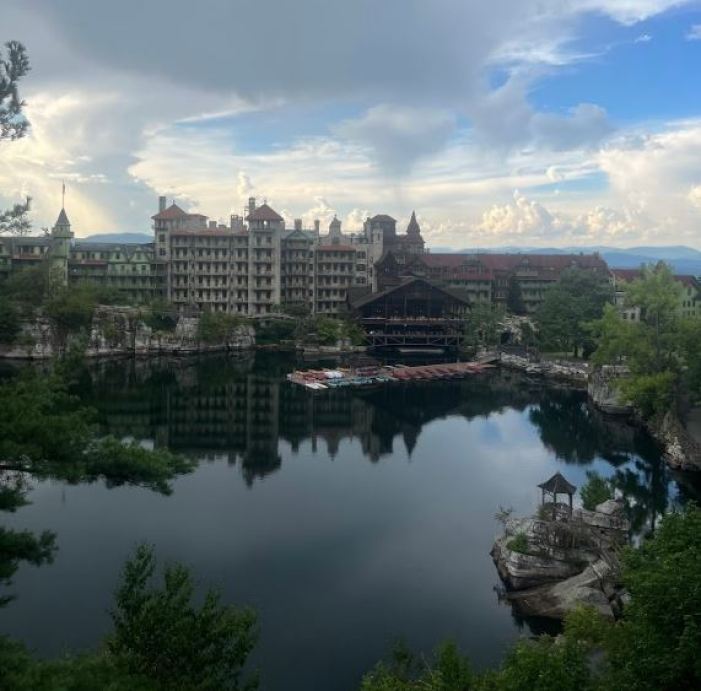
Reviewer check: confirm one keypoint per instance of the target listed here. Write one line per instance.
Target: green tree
(482, 324)
(159, 632)
(161, 642)
(448, 670)
(656, 645)
(656, 348)
(45, 432)
(14, 64)
(568, 307)
(217, 327)
(9, 321)
(596, 490)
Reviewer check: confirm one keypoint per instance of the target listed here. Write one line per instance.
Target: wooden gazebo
(557, 485)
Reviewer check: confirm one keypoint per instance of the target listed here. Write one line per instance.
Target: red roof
(264, 213)
(172, 212)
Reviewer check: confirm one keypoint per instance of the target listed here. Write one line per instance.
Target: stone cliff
(121, 331)
(551, 564)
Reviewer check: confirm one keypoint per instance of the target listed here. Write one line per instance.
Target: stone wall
(120, 331)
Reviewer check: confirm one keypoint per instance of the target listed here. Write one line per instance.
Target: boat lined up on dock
(319, 379)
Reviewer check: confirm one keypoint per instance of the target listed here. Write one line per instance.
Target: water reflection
(239, 409)
(345, 518)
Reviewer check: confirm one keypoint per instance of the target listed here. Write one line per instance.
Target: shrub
(9, 322)
(518, 543)
(161, 316)
(217, 327)
(596, 490)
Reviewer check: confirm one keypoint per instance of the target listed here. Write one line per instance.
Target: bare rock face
(550, 566)
(118, 331)
(554, 601)
(681, 449)
(546, 557)
(603, 389)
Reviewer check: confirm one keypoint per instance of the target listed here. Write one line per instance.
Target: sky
(509, 122)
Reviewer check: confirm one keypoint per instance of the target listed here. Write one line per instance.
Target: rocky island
(563, 557)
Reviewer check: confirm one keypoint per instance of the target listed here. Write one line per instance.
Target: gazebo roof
(558, 485)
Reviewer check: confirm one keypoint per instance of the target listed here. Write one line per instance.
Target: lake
(347, 519)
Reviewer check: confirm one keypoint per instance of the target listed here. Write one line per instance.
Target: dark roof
(456, 294)
(413, 228)
(62, 219)
(383, 218)
(264, 213)
(558, 485)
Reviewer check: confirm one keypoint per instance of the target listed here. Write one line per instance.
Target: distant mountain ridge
(126, 238)
(684, 260)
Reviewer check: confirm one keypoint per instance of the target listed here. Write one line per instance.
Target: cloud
(244, 185)
(526, 221)
(695, 196)
(398, 137)
(694, 33)
(504, 120)
(397, 101)
(643, 38)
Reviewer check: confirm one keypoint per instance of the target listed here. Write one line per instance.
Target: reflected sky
(346, 519)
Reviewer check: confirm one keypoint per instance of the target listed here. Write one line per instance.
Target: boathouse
(414, 313)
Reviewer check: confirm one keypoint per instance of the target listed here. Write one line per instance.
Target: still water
(346, 519)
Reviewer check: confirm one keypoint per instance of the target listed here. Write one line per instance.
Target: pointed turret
(62, 227)
(413, 228)
(59, 250)
(335, 227)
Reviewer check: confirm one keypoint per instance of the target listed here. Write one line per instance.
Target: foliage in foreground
(655, 645)
(46, 433)
(161, 640)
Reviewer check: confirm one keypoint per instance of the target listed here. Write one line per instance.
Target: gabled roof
(171, 213)
(451, 292)
(264, 213)
(558, 485)
(297, 234)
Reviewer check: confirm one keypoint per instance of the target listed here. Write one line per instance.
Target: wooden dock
(376, 375)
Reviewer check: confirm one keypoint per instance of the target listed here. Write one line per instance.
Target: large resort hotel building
(255, 265)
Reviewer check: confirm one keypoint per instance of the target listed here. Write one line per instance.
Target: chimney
(212, 225)
(161, 204)
(251, 204)
(298, 224)
(317, 225)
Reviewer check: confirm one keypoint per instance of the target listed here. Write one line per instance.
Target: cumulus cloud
(142, 98)
(525, 220)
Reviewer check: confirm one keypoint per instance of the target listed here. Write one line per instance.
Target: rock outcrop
(121, 331)
(603, 389)
(566, 371)
(681, 450)
(550, 566)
